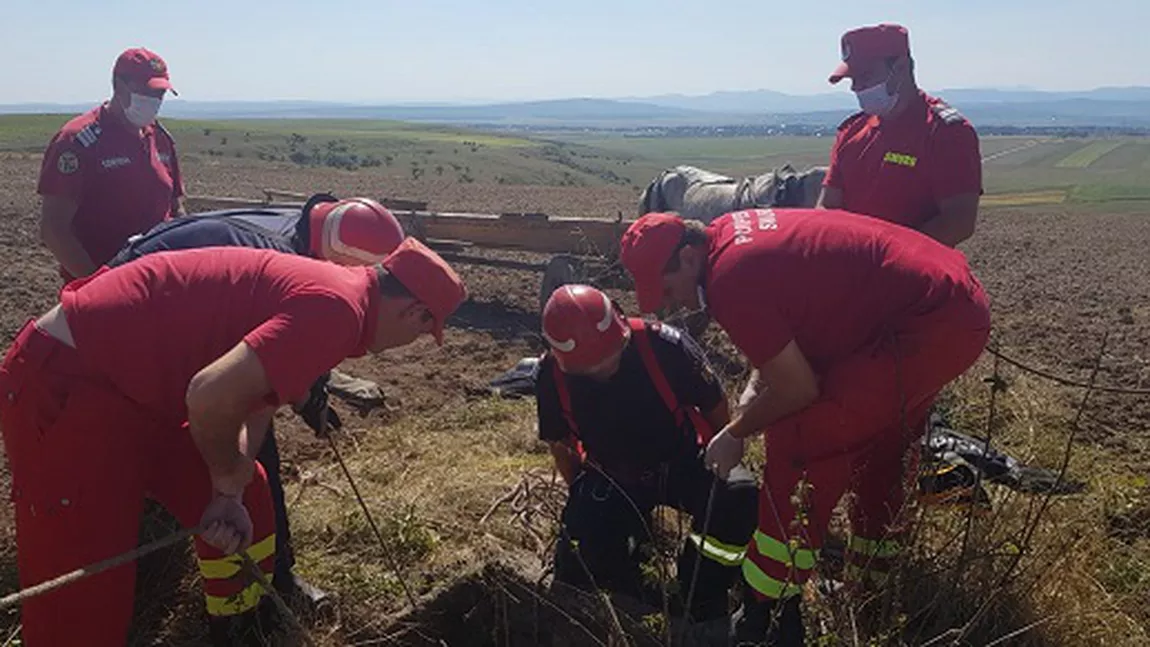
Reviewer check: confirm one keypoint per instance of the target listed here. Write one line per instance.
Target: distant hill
(555, 110)
(779, 102)
(753, 101)
(1111, 107)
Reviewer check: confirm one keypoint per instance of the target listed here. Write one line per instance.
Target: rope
(141, 551)
(1062, 380)
(99, 567)
(387, 554)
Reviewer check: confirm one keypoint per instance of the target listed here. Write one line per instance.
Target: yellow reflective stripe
(786, 554)
(767, 585)
(245, 600)
(725, 554)
(227, 567)
(881, 548)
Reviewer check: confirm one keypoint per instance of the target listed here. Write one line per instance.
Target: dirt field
(1059, 280)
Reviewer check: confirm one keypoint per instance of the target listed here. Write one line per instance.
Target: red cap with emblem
(646, 248)
(355, 231)
(866, 45)
(429, 279)
(582, 327)
(143, 67)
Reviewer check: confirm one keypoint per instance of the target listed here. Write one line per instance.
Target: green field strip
(1085, 156)
(1132, 154)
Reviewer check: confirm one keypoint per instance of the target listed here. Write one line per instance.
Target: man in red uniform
(854, 325)
(158, 378)
(906, 157)
(111, 172)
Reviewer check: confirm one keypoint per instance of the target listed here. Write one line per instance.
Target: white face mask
(142, 109)
(875, 100)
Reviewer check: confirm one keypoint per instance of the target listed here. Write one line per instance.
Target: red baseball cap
(429, 279)
(865, 45)
(646, 247)
(144, 67)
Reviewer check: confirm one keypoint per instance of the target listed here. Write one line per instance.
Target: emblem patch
(67, 163)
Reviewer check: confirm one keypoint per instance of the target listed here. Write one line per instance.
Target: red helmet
(583, 327)
(355, 231)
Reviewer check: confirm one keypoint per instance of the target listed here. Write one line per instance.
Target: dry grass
(1076, 574)
(428, 482)
(1032, 572)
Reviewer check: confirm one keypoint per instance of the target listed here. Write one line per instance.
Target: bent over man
(158, 378)
(355, 231)
(854, 325)
(627, 407)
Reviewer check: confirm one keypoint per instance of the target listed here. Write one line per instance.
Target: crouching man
(854, 325)
(627, 407)
(158, 378)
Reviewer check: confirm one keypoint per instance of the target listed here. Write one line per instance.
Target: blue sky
(429, 50)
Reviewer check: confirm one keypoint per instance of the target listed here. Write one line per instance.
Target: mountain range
(1112, 107)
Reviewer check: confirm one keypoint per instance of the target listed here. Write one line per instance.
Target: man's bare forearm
(68, 251)
(218, 436)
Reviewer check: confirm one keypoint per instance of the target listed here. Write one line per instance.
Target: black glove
(316, 412)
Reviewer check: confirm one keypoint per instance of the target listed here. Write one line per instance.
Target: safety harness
(640, 331)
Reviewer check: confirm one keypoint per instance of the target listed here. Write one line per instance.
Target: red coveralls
(90, 431)
(886, 317)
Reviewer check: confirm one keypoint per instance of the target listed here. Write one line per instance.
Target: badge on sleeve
(67, 163)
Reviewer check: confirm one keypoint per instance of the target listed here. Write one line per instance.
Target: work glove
(723, 453)
(227, 524)
(315, 410)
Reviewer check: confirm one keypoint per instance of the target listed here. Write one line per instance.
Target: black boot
(256, 628)
(767, 623)
(241, 630)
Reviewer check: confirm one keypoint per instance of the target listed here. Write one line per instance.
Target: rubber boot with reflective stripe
(706, 570)
(767, 623)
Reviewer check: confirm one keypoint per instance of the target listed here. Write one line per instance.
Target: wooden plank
(293, 196)
(529, 232)
(199, 203)
(397, 204)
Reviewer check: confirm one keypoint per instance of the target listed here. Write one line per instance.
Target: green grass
(1130, 155)
(1090, 171)
(29, 132)
(992, 145)
(1096, 192)
(719, 148)
(1087, 155)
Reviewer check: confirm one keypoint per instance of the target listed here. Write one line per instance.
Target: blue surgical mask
(142, 109)
(876, 100)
